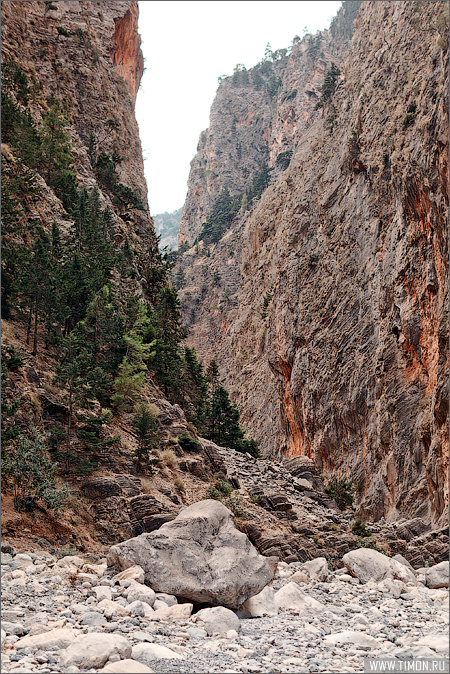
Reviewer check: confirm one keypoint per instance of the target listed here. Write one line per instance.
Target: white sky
(187, 45)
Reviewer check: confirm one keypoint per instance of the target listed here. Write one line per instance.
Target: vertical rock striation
(347, 252)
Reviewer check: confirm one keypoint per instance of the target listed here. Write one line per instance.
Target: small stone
(102, 592)
(437, 576)
(13, 628)
(140, 592)
(137, 609)
(132, 573)
(261, 604)
(94, 649)
(177, 612)
(350, 637)
(197, 633)
(168, 599)
(92, 618)
(113, 608)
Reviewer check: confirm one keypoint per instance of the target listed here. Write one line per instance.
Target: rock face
(89, 57)
(337, 341)
(199, 556)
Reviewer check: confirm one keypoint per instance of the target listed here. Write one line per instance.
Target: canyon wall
(87, 55)
(334, 337)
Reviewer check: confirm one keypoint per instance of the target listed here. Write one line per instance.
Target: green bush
(31, 474)
(407, 120)
(360, 529)
(187, 442)
(313, 259)
(11, 358)
(341, 491)
(284, 159)
(219, 489)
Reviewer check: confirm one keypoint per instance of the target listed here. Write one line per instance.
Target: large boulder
(200, 556)
(317, 569)
(437, 575)
(367, 564)
(55, 638)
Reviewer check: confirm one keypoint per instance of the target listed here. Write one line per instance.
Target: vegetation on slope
(100, 305)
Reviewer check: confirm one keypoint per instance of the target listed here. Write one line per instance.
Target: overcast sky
(187, 45)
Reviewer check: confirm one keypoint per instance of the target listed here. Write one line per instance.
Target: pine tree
(212, 375)
(56, 159)
(223, 419)
(195, 389)
(169, 331)
(130, 378)
(147, 435)
(37, 284)
(73, 373)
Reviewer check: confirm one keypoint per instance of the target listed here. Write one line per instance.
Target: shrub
(32, 475)
(221, 490)
(407, 120)
(62, 31)
(169, 459)
(312, 259)
(341, 491)
(360, 529)
(187, 442)
(329, 85)
(218, 489)
(284, 159)
(11, 358)
(179, 484)
(234, 503)
(65, 551)
(266, 302)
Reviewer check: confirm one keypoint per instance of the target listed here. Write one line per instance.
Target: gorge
(312, 268)
(232, 456)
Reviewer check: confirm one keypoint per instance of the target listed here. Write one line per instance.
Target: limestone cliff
(338, 345)
(257, 119)
(87, 55)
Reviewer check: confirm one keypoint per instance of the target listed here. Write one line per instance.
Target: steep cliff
(338, 348)
(87, 55)
(257, 119)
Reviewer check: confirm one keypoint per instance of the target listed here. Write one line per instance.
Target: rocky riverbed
(70, 615)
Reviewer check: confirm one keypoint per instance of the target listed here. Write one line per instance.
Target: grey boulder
(437, 575)
(218, 620)
(199, 556)
(367, 564)
(93, 650)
